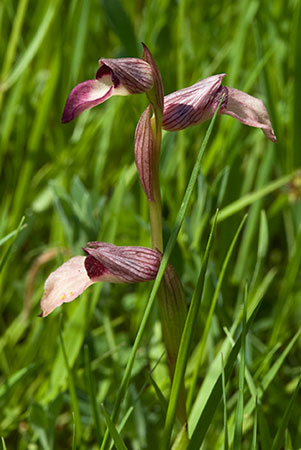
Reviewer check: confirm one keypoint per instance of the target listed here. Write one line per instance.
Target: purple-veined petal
(128, 263)
(144, 153)
(65, 284)
(188, 106)
(133, 74)
(248, 110)
(122, 76)
(105, 262)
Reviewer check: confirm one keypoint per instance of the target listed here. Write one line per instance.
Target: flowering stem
(155, 209)
(172, 307)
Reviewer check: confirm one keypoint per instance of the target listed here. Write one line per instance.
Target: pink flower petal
(128, 264)
(65, 284)
(133, 74)
(187, 106)
(86, 95)
(248, 110)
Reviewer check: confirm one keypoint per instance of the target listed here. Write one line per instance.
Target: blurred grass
(76, 183)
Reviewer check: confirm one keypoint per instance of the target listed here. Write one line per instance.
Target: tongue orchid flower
(123, 76)
(198, 103)
(103, 262)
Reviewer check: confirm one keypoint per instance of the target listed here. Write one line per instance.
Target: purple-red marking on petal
(134, 74)
(94, 268)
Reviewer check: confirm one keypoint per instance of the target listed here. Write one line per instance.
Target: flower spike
(104, 262)
(122, 76)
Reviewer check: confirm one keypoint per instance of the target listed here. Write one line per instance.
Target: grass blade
(92, 395)
(289, 281)
(12, 233)
(32, 49)
(206, 415)
(3, 446)
(73, 397)
(254, 438)
(250, 198)
(162, 399)
(226, 440)
(13, 40)
(120, 445)
(210, 315)
(10, 384)
(237, 443)
(8, 251)
(185, 344)
(280, 436)
(264, 432)
(121, 24)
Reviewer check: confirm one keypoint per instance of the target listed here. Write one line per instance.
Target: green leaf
(254, 438)
(280, 435)
(73, 396)
(189, 328)
(92, 396)
(3, 446)
(226, 440)
(15, 233)
(252, 197)
(120, 445)
(121, 24)
(200, 353)
(237, 443)
(34, 46)
(11, 382)
(264, 432)
(161, 398)
(206, 414)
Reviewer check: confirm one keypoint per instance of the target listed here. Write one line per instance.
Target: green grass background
(78, 182)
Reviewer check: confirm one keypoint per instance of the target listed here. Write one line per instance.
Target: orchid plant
(176, 111)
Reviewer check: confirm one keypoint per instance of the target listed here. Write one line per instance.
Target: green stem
(155, 209)
(172, 313)
(156, 225)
